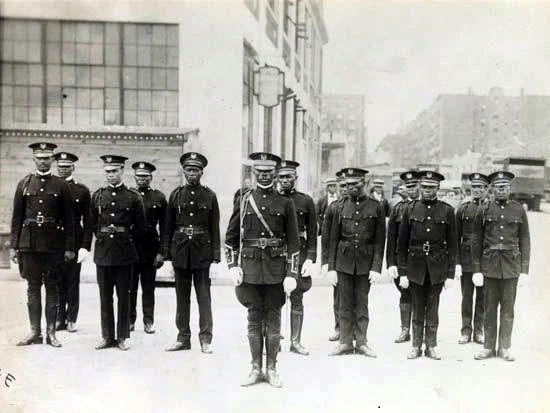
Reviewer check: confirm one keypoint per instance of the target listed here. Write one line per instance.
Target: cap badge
(109, 159)
(63, 156)
(263, 157)
(283, 164)
(193, 156)
(409, 175)
(42, 146)
(350, 171)
(141, 165)
(429, 174)
(476, 176)
(500, 175)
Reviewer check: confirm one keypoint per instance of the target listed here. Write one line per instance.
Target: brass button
(264, 196)
(41, 189)
(502, 216)
(113, 203)
(501, 237)
(429, 217)
(114, 193)
(40, 201)
(192, 192)
(190, 214)
(191, 203)
(263, 208)
(429, 206)
(111, 236)
(428, 229)
(112, 214)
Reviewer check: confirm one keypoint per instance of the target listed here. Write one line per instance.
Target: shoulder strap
(252, 203)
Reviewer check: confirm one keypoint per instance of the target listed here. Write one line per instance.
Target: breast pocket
(513, 222)
(52, 199)
(276, 218)
(368, 219)
(301, 214)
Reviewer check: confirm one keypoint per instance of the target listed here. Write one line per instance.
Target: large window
(249, 100)
(89, 73)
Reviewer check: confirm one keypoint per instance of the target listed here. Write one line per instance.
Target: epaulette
(516, 203)
(135, 191)
(446, 203)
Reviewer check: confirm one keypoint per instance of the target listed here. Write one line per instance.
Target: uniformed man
(69, 286)
(307, 230)
(117, 216)
(378, 194)
(148, 246)
(465, 214)
(356, 249)
(263, 248)
(331, 185)
(426, 256)
(410, 178)
(192, 242)
(325, 242)
(500, 257)
(42, 238)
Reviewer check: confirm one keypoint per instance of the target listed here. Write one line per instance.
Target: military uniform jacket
(154, 203)
(192, 237)
(465, 215)
(396, 217)
(117, 216)
(327, 227)
(500, 241)
(307, 224)
(80, 195)
(264, 265)
(427, 241)
(48, 197)
(357, 236)
(321, 208)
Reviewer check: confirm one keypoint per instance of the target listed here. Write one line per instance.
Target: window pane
(7, 114)
(7, 73)
(159, 56)
(7, 50)
(21, 73)
(112, 97)
(96, 99)
(96, 54)
(20, 52)
(144, 56)
(158, 118)
(158, 101)
(112, 54)
(130, 53)
(53, 31)
(130, 77)
(35, 74)
(112, 117)
(34, 31)
(83, 76)
(68, 51)
(144, 78)
(35, 114)
(98, 76)
(83, 33)
(69, 98)
(172, 101)
(7, 95)
(20, 95)
(144, 118)
(159, 79)
(112, 76)
(130, 36)
(172, 59)
(69, 32)
(20, 30)
(53, 115)
(130, 117)
(112, 33)
(35, 96)
(34, 51)
(53, 52)
(96, 117)
(21, 114)
(83, 98)
(82, 116)
(172, 79)
(130, 99)
(172, 35)
(159, 35)
(144, 99)
(69, 75)
(96, 33)
(144, 34)
(172, 119)
(83, 53)
(53, 97)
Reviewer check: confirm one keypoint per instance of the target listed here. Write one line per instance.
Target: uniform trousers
(425, 318)
(146, 273)
(503, 292)
(336, 307)
(109, 278)
(468, 288)
(353, 291)
(69, 292)
(404, 293)
(201, 281)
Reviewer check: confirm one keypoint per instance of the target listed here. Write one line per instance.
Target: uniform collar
(502, 202)
(69, 178)
(266, 190)
(144, 189)
(476, 201)
(119, 186)
(429, 201)
(44, 174)
(359, 198)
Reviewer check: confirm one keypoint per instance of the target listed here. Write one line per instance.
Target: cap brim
(64, 163)
(112, 167)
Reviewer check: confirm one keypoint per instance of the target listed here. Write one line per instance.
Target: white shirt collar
(48, 172)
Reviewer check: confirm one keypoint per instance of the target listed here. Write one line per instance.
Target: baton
(287, 322)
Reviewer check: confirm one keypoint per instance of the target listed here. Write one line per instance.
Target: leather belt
(190, 231)
(111, 229)
(428, 248)
(263, 242)
(504, 247)
(40, 219)
(355, 240)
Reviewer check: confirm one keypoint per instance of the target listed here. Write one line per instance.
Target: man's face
(356, 187)
(377, 190)
(265, 177)
(65, 171)
(114, 176)
(502, 191)
(479, 191)
(287, 180)
(143, 181)
(429, 191)
(192, 174)
(344, 189)
(413, 190)
(43, 164)
(331, 189)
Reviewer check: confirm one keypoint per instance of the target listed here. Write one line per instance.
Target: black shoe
(178, 345)
(365, 351)
(59, 325)
(132, 327)
(485, 354)
(335, 336)
(148, 328)
(414, 353)
(272, 377)
(52, 340)
(478, 338)
(122, 344)
(342, 349)
(433, 353)
(71, 328)
(206, 348)
(297, 348)
(255, 376)
(104, 343)
(464, 338)
(31, 339)
(504, 353)
(403, 337)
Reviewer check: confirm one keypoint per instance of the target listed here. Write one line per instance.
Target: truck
(528, 185)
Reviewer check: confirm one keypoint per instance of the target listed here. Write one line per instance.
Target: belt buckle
(40, 219)
(426, 247)
(263, 243)
(111, 229)
(188, 231)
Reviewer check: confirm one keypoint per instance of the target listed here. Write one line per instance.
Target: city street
(148, 379)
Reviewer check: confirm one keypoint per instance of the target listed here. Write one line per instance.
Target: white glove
(458, 271)
(393, 272)
(289, 284)
(307, 268)
(236, 275)
(213, 271)
(324, 270)
(374, 277)
(82, 254)
(522, 279)
(448, 283)
(333, 277)
(403, 282)
(477, 279)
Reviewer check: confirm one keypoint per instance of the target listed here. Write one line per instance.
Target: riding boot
(51, 315)
(272, 344)
(296, 322)
(255, 342)
(406, 310)
(34, 306)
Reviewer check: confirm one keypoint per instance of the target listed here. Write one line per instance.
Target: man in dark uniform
(325, 241)
(148, 246)
(117, 216)
(356, 249)
(500, 256)
(378, 194)
(42, 238)
(426, 256)
(307, 230)
(192, 242)
(410, 178)
(464, 270)
(69, 286)
(263, 263)
(323, 202)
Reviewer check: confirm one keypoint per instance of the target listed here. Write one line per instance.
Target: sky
(402, 54)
